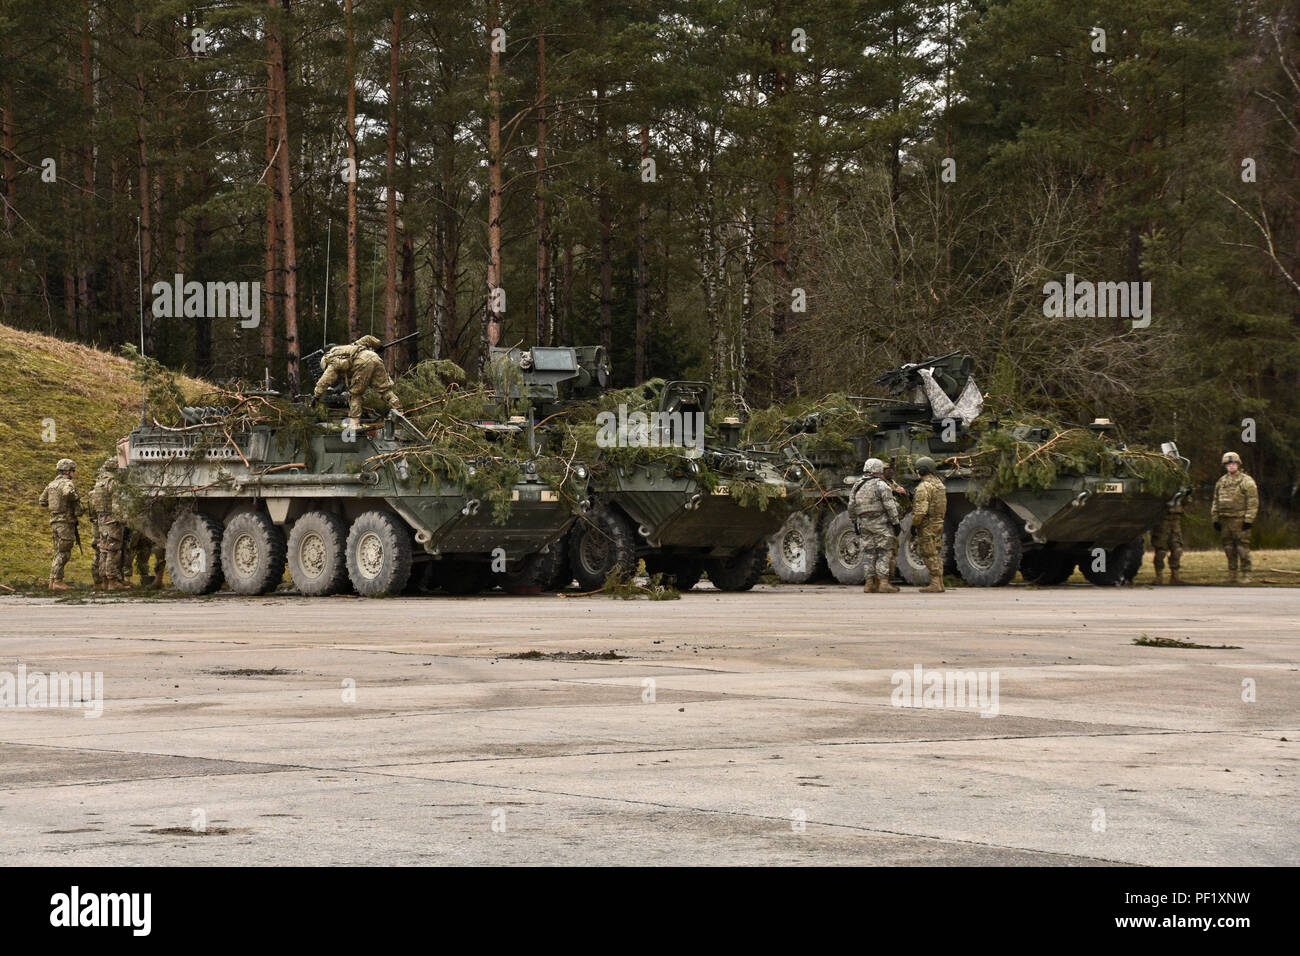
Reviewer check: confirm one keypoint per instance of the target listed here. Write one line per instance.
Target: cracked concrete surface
(739, 729)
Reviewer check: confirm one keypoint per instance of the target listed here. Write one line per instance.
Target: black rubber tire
(910, 566)
(379, 554)
(839, 545)
(200, 572)
(325, 568)
(738, 572)
(563, 573)
(1046, 567)
(598, 542)
(1121, 564)
(949, 550)
(681, 573)
(988, 548)
(1136, 554)
(460, 578)
(795, 549)
(535, 571)
(253, 554)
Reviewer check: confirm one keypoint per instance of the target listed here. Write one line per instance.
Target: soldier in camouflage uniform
(110, 530)
(904, 505)
(60, 498)
(875, 518)
(1167, 538)
(362, 368)
(1235, 507)
(148, 537)
(929, 507)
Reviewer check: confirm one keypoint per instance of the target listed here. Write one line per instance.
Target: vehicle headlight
(580, 472)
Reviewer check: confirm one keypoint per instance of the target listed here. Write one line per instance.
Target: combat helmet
(873, 466)
(110, 464)
(369, 342)
(65, 464)
(1231, 456)
(925, 465)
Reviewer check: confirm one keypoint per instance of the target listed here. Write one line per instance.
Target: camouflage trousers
(1167, 539)
(878, 546)
(139, 550)
(64, 537)
(1236, 542)
(370, 375)
(110, 537)
(929, 544)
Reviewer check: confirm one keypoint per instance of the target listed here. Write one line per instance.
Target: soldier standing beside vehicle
(1167, 538)
(929, 508)
(875, 518)
(64, 504)
(360, 366)
(110, 530)
(1233, 511)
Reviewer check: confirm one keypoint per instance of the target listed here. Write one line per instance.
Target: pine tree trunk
(11, 195)
(286, 218)
(390, 182)
(271, 281)
(643, 272)
(492, 315)
(354, 319)
(544, 321)
(606, 231)
(146, 219)
(89, 253)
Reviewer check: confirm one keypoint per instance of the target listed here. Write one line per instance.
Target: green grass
(93, 401)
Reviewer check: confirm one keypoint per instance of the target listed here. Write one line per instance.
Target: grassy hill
(92, 400)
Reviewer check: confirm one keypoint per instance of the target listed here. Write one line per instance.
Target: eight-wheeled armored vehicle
(1092, 518)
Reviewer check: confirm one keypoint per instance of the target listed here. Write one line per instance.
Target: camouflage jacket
(1235, 496)
(61, 498)
(930, 502)
(103, 496)
(873, 499)
(343, 361)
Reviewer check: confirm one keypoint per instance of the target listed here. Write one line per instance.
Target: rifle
(898, 379)
(76, 536)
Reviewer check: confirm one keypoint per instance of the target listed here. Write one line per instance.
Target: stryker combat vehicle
(1090, 512)
(686, 502)
(346, 503)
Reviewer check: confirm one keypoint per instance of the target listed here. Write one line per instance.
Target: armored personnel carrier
(366, 505)
(665, 490)
(1021, 498)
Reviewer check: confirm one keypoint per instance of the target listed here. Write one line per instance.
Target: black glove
(315, 400)
(1247, 525)
(1217, 526)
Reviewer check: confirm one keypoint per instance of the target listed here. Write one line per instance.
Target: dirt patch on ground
(566, 656)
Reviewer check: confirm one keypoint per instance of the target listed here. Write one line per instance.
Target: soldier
(904, 504)
(875, 518)
(361, 367)
(929, 506)
(141, 547)
(1167, 537)
(110, 530)
(64, 504)
(1235, 506)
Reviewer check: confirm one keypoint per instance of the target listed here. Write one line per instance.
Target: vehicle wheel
(681, 573)
(598, 543)
(1119, 567)
(379, 554)
(1136, 553)
(535, 571)
(739, 572)
(843, 550)
(949, 550)
(194, 553)
(460, 577)
(563, 572)
(252, 553)
(1046, 567)
(988, 548)
(910, 565)
(317, 543)
(795, 549)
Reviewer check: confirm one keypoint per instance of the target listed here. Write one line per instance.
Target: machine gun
(951, 372)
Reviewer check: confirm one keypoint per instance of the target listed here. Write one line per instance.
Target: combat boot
(117, 584)
(155, 583)
(1160, 576)
(1245, 578)
(1232, 575)
(934, 587)
(1173, 576)
(871, 585)
(886, 586)
(59, 585)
